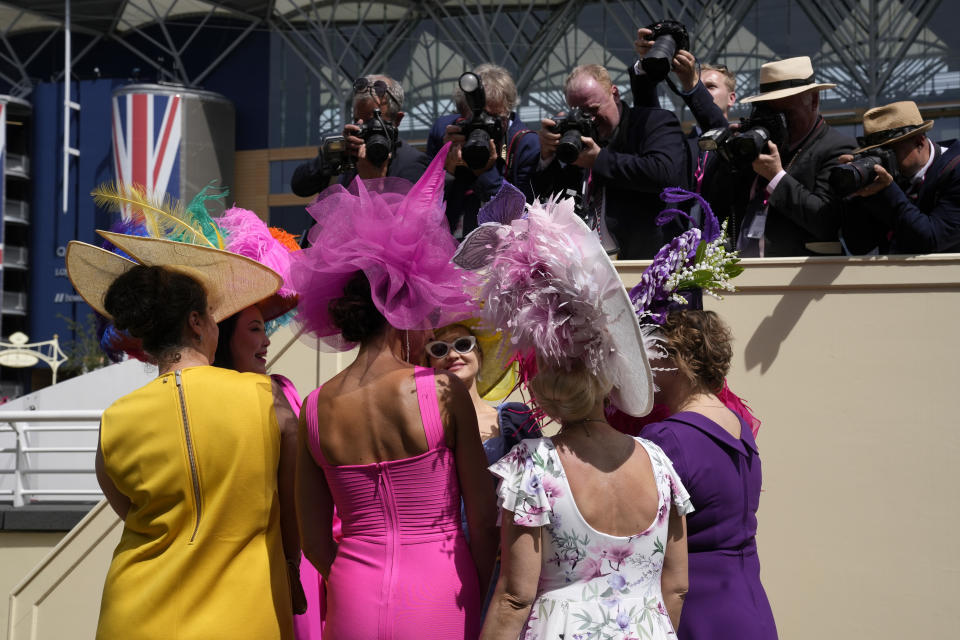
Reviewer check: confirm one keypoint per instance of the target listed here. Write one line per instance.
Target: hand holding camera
(683, 63)
(576, 134)
(483, 132)
(864, 174)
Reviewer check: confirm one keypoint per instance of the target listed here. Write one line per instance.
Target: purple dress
(726, 600)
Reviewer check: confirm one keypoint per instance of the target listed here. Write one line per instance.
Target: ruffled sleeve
(520, 489)
(663, 468)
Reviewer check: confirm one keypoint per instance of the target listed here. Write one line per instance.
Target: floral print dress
(593, 586)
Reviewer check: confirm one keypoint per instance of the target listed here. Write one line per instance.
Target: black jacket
(309, 178)
(647, 153)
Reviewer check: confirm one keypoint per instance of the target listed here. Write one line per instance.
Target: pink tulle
(397, 234)
(249, 236)
(736, 404)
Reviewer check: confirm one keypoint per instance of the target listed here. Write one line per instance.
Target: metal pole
(17, 465)
(66, 105)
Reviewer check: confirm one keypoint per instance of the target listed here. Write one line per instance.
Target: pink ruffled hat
(398, 235)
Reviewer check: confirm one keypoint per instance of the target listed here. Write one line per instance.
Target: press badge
(759, 223)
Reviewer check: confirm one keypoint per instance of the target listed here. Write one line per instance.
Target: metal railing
(23, 423)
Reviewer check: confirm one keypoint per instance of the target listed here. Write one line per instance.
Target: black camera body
(668, 36)
(482, 127)
(859, 172)
(740, 147)
(572, 128)
(380, 138)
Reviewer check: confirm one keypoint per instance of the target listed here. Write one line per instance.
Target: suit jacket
(895, 223)
(803, 208)
(465, 191)
(646, 154)
(716, 176)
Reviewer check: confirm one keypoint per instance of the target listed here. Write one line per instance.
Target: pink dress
(308, 625)
(403, 569)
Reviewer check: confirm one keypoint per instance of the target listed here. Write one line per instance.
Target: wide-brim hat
(494, 381)
(232, 282)
(783, 78)
(891, 123)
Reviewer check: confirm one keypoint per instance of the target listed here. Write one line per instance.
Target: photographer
(621, 170)
(789, 209)
(513, 148)
(370, 94)
(708, 91)
(919, 210)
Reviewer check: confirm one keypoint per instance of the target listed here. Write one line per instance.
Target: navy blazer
(892, 222)
(646, 155)
(465, 191)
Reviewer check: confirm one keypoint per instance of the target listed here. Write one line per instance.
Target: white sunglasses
(462, 345)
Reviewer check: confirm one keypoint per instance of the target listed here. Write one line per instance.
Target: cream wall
(852, 364)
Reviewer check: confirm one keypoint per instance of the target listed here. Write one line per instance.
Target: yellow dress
(200, 556)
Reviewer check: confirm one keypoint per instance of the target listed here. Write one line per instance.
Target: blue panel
(51, 295)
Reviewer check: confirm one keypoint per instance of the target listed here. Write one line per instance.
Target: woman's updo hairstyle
(354, 312)
(700, 345)
(154, 304)
(567, 395)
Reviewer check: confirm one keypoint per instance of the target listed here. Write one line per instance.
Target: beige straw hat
(789, 77)
(232, 282)
(891, 123)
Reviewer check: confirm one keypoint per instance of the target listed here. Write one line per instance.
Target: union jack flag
(146, 141)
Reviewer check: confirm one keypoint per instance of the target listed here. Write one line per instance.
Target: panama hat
(789, 77)
(232, 282)
(891, 123)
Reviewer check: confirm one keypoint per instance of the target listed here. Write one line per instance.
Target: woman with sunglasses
(392, 446)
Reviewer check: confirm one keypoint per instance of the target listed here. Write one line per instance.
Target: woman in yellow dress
(189, 461)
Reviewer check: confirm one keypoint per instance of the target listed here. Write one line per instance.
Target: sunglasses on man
(462, 345)
(378, 88)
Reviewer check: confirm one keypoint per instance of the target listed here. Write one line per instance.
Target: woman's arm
(118, 501)
(517, 586)
(287, 474)
(476, 484)
(673, 580)
(314, 506)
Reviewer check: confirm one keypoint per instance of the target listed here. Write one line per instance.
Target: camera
(380, 138)
(858, 173)
(740, 147)
(668, 36)
(482, 126)
(333, 155)
(572, 128)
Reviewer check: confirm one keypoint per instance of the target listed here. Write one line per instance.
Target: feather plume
(199, 218)
(163, 218)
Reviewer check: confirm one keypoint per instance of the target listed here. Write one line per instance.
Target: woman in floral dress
(593, 538)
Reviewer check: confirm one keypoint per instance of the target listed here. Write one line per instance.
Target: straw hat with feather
(232, 282)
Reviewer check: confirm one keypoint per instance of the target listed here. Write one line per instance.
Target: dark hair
(224, 357)
(354, 312)
(153, 304)
(700, 345)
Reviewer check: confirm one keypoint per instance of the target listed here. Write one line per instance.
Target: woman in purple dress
(714, 452)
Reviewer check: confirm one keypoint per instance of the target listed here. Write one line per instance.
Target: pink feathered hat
(398, 235)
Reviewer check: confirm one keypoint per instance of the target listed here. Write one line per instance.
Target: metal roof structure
(874, 50)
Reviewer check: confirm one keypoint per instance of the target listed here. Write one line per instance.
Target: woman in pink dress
(392, 446)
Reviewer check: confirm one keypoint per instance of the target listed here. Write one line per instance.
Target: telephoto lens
(668, 36)
(850, 177)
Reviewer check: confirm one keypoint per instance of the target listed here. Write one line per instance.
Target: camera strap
(511, 169)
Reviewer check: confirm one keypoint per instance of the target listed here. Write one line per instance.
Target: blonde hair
(729, 77)
(595, 71)
(568, 395)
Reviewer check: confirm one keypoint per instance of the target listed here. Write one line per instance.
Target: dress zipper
(194, 475)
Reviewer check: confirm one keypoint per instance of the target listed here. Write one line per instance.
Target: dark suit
(927, 222)
(465, 191)
(645, 155)
(309, 178)
(803, 208)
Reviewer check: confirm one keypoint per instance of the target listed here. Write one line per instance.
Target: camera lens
(657, 62)
(569, 146)
(378, 148)
(847, 178)
(476, 150)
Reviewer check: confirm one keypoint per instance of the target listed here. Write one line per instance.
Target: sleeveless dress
(200, 556)
(403, 569)
(592, 585)
(308, 625)
(726, 600)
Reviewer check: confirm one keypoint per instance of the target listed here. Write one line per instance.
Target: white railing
(29, 457)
